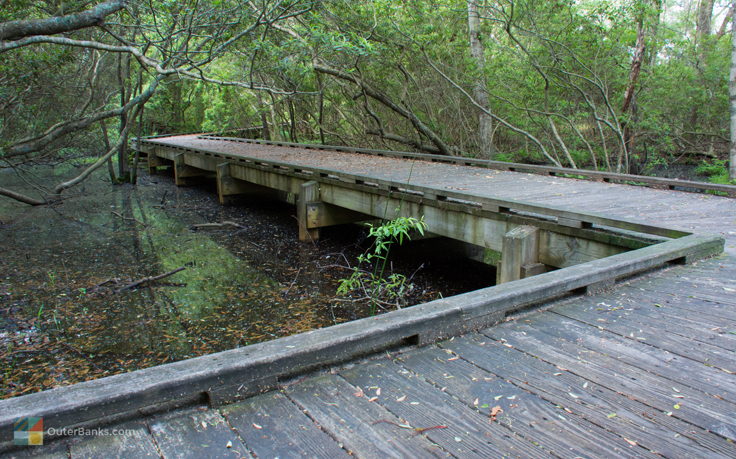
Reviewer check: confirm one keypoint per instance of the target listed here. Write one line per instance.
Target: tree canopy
(621, 85)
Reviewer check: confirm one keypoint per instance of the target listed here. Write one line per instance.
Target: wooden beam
(308, 194)
(182, 171)
(320, 214)
(520, 248)
(154, 162)
(227, 185)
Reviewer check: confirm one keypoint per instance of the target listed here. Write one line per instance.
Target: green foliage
(376, 285)
(717, 172)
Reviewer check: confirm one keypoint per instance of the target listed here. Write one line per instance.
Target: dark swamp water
(63, 318)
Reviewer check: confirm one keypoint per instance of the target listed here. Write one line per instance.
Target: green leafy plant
(717, 172)
(375, 284)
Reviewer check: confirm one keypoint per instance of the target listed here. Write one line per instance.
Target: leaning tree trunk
(630, 94)
(485, 121)
(732, 98)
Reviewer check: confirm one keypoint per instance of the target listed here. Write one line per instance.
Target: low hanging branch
(500, 120)
(404, 140)
(142, 99)
(386, 101)
(13, 30)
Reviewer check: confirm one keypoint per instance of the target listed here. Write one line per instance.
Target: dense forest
(618, 85)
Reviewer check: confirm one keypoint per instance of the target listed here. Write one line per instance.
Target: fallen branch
(292, 282)
(147, 280)
(127, 218)
(217, 225)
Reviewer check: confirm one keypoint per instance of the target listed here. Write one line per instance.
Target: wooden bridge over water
(640, 370)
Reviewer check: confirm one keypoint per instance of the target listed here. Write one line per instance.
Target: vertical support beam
(227, 185)
(520, 251)
(222, 172)
(182, 171)
(153, 162)
(308, 193)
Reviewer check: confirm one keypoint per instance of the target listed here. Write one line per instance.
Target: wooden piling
(519, 254)
(308, 193)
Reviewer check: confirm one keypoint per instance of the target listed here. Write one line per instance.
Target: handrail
(566, 172)
(561, 215)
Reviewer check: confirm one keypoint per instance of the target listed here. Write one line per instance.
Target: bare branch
(13, 30)
(21, 197)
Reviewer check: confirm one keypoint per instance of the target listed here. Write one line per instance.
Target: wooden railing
(583, 174)
(437, 197)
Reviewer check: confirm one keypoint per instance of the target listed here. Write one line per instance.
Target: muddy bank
(65, 316)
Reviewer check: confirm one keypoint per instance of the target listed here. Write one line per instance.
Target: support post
(519, 254)
(308, 193)
(321, 214)
(153, 162)
(227, 185)
(182, 171)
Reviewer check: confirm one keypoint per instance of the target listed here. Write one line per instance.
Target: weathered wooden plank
(615, 411)
(272, 426)
(56, 450)
(720, 302)
(561, 433)
(196, 433)
(649, 316)
(570, 174)
(656, 356)
(137, 442)
(700, 410)
(585, 218)
(364, 428)
(466, 433)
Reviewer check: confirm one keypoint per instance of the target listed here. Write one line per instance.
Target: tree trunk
(480, 94)
(123, 167)
(703, 24)
(644, 23)
(732, 99)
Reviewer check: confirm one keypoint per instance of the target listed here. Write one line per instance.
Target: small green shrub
(375, 284)
(716, 171)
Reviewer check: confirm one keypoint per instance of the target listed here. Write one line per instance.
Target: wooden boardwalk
(646, 369)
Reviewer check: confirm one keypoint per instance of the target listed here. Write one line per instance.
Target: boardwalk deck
(641, 370)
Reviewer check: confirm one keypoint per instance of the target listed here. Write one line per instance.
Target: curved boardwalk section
(645, 369)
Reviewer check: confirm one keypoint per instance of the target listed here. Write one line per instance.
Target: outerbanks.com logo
(30, 431)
